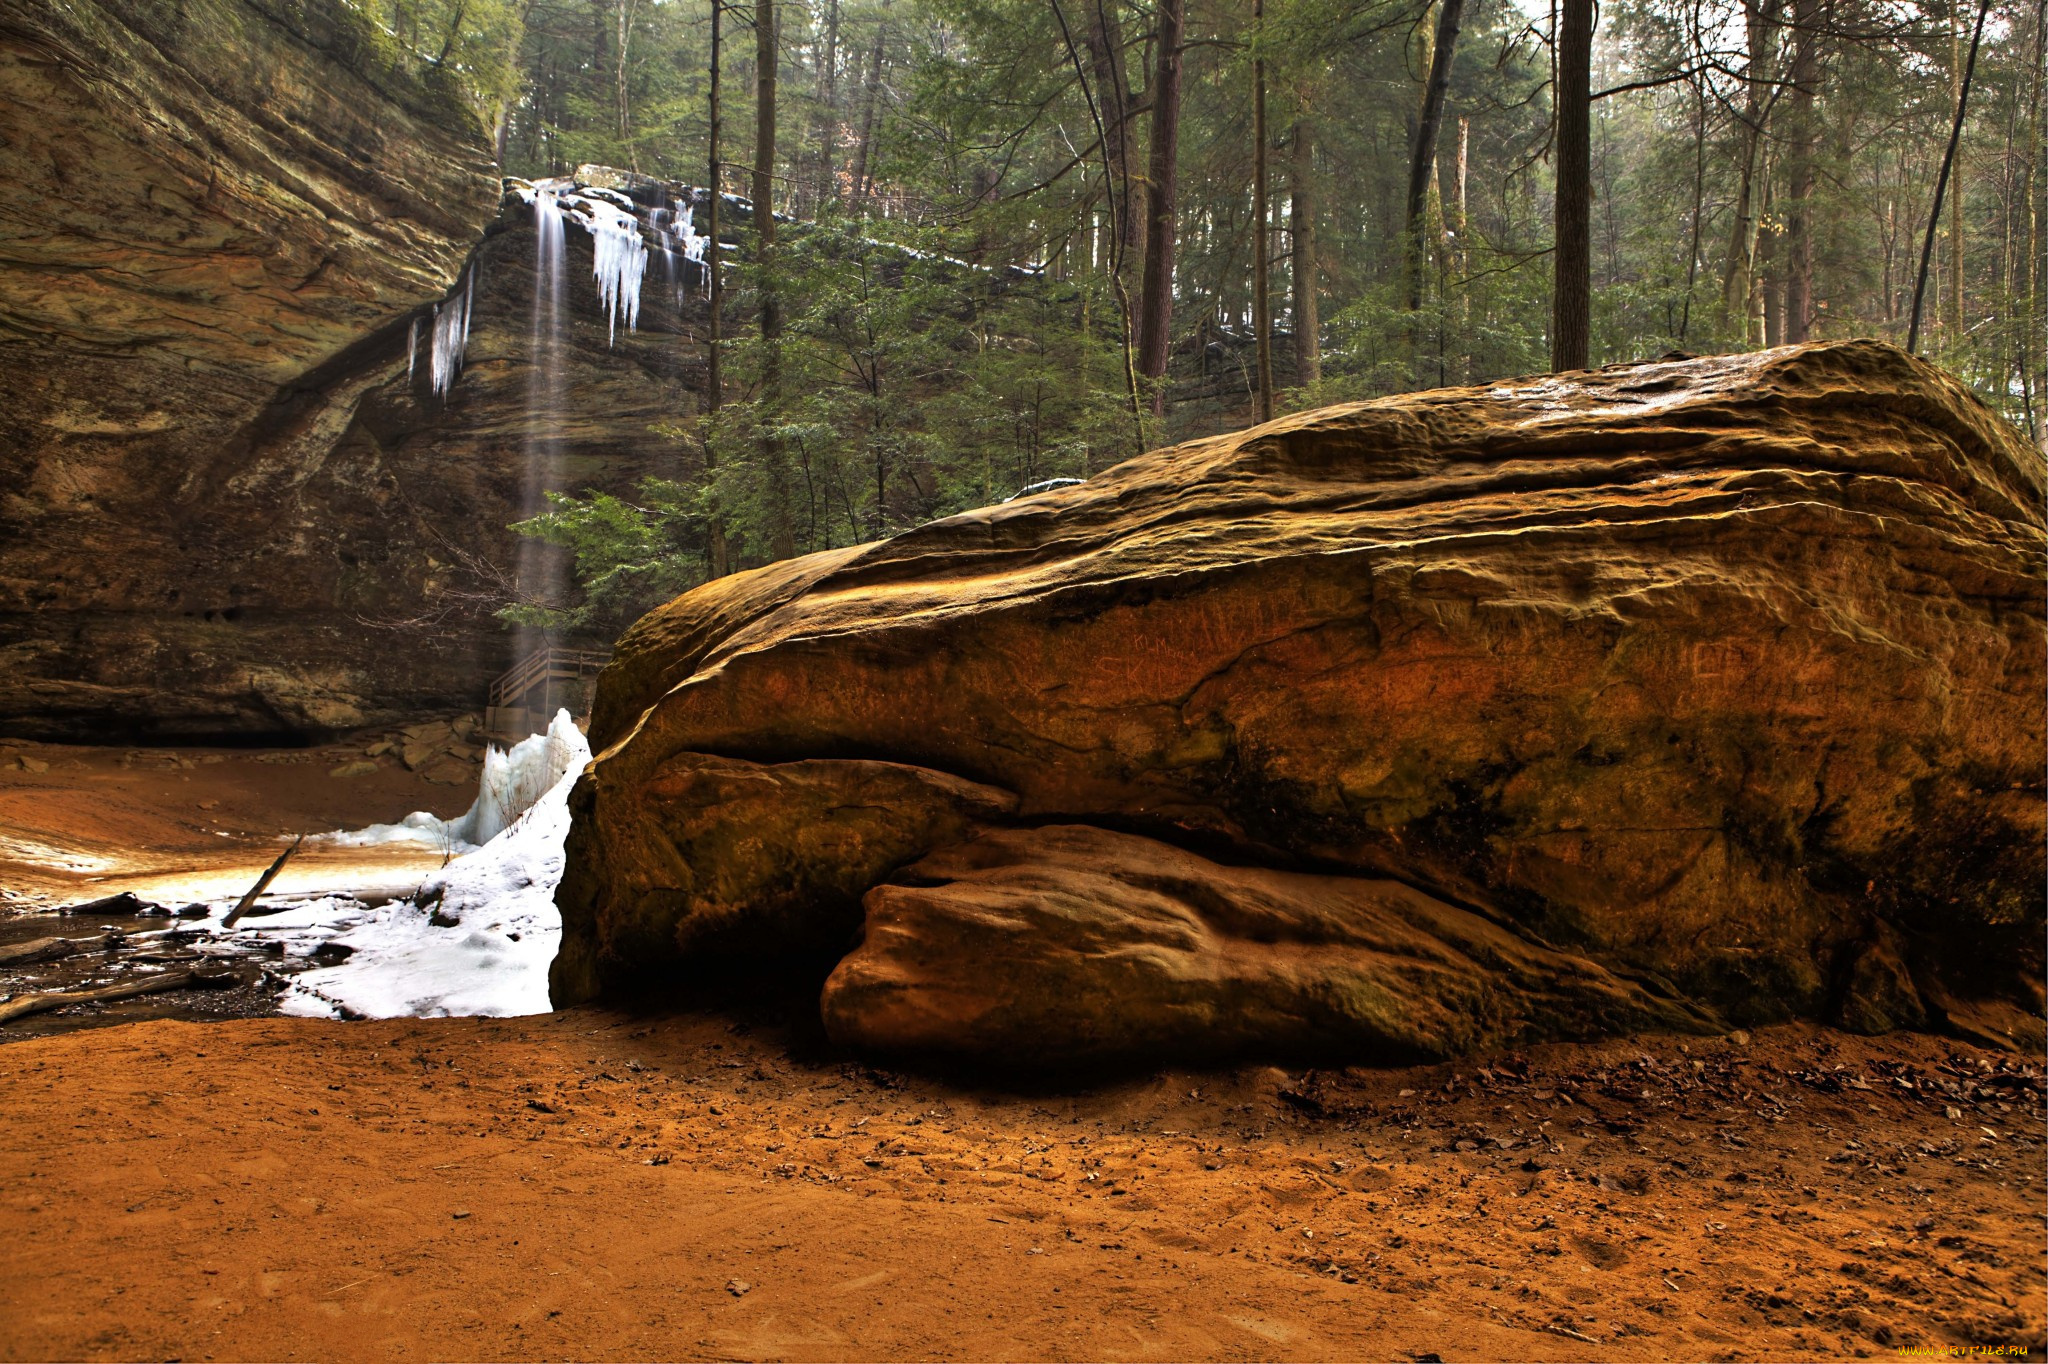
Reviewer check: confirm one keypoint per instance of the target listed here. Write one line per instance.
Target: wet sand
(176, 825)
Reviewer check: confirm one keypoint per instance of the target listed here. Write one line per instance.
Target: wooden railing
(543, 670)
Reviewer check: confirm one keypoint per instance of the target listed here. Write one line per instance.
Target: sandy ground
(718, 1183)
(77, 823)
(596, 1185)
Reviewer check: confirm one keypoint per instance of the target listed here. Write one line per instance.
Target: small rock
(460, 1214)
(28, 764)
(739, 1288)
(450, 771)
(359, 768)
(1739, 1037)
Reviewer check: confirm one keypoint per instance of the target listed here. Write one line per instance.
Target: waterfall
(538, 565)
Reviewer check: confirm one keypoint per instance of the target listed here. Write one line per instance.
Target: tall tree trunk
(1770, 283)
(828, 140)
(1113, 89)
(1155, 308)
(1422, 156)
(1462, 263)
(714, 384)
(1571, 307)
(1262, 255)
(1948, 159)
(1308, 321)
(1738, 284)
(1955, 199)
(1805, 76)
(870, 100)
(2033, 357)
(767, 57)
(625, 42)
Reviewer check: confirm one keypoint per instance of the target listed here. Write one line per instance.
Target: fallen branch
(262, 883)
(23, 1005)
(127, 905)
(47, 949)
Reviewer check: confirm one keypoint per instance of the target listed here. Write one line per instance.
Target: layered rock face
(225, 506)
(1673, 692)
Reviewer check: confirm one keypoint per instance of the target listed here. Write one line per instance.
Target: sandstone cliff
(219, 490)
(1670, 692)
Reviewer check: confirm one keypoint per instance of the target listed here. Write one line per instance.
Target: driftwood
(127, 904)
(23, 1005)
(50, 949)
(262, 884)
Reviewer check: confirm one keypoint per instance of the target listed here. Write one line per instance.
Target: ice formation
(478, 936)
(513, 782)
(451, 336)
(412, 350)
(620, 259)
(618, 250)
(675, 231)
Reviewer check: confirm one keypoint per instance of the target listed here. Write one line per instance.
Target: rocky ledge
(1673, 695)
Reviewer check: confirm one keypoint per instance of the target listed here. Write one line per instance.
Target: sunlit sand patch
(47, 857)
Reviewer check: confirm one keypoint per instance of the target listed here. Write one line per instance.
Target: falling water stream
(538, 566)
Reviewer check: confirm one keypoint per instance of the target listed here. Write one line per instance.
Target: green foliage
(465, 50)
(629, 556)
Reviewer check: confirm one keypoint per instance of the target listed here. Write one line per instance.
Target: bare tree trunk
(714, 384)
(1572, 294)
(625, 41)
(824, 175)
(1805, 76)
(870, 100)
(767, 57)
(1462, 264)
(1770, 273)
(1738, 284)
(1422, 157)
(1262, 302)
(2033, 357)
(1308, 322)
(1155, 308)
(1955, 201)
(1948, 159)
(1113, 87)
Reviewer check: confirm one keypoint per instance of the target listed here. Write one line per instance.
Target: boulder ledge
(1670, 695)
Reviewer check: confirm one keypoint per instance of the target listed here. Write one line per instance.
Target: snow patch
(478, 936)
(514, 780)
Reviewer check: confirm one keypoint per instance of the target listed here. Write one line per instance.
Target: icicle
(412, 350)
(619, 260)
(451, 336)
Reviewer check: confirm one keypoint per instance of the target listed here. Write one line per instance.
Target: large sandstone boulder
(1690, 689)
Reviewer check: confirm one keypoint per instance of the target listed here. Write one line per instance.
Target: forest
(1190, 215)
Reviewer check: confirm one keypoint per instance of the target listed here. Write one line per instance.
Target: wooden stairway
(526, 696)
